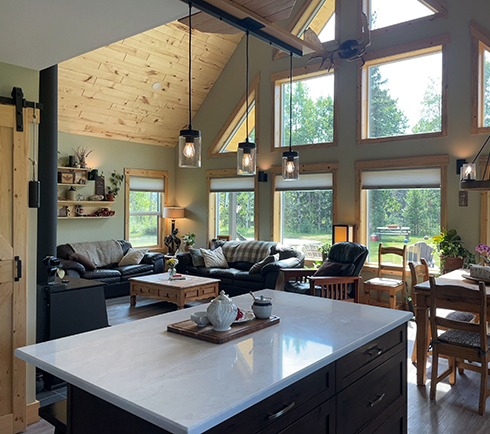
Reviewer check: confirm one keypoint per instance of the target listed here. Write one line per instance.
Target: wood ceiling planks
(108, 92)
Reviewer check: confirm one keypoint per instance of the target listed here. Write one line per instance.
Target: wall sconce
(262, 176)
(342, 233)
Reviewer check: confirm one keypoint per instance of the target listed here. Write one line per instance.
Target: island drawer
(376, 396)
(283, 405)
(358, 363)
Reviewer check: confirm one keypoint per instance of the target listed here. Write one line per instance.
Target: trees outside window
(236, 215)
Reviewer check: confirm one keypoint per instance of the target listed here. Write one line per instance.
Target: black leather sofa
(116, 278)
(236, 279)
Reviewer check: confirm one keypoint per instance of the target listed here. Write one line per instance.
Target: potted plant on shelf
(81, 155)
(189, 239)
(451, 251)
(116, 180)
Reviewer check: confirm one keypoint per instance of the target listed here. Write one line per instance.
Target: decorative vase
(449, 264)
(222, 312)
(171, 272)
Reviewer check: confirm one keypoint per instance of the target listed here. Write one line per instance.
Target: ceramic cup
(200, 318)
(262, 308)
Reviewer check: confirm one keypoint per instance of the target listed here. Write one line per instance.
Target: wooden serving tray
(190, 328)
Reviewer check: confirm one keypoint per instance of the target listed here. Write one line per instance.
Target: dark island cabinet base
(364, 392)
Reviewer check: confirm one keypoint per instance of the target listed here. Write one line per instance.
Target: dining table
(421, 301)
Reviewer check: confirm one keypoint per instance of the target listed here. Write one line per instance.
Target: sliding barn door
(14, 148)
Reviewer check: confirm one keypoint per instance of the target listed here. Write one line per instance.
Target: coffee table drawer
(168, 295)
(200, 291)
(143, 290)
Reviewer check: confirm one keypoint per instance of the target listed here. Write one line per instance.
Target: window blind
(232, 184)
(306, 181)
(140, 183)
(402, 179)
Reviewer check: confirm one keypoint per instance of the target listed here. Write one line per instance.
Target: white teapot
(222, 312)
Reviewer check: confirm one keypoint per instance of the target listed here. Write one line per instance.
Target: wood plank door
(14, 147)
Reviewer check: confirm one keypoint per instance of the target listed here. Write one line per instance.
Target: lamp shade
(342, 233)
(246, 158)
(290, 166)
(173, 212)
(190, 148)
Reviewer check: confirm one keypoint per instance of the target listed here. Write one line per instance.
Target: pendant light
(190, 140)
(290, 159)
(246, 152)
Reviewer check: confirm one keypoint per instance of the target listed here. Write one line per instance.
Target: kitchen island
(322, 361)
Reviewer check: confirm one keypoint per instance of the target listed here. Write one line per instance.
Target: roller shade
(232, 184)
(306, 181)
(402, 179)
(140, 183)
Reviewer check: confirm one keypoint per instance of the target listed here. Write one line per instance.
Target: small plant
(81, 155)
(116, 180)
(325, 250)
(449, 244)
(189, 239)
(484, 252)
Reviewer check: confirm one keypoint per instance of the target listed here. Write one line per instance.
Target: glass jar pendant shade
(190, 148)
(246, 152)
(290, 159)
(189, 139)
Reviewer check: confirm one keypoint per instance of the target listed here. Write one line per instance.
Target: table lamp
(173, 212)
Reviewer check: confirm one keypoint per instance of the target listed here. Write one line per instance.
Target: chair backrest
(461, 298)
(351, 255)
(419, 272)
(384, 266)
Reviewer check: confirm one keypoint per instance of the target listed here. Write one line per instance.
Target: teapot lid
(222, 297)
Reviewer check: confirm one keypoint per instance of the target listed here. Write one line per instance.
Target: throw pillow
(133, 257)
(86, 262)
(215, 258)
(259, 265)
(329, 269)
(197, 258)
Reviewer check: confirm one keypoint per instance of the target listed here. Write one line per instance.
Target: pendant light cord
(190, 66)
(290, 101)
(246, 115)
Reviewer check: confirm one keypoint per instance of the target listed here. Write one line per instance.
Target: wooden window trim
(484, 207)
(441, 161)
(332, 167)
(405, 51)
(480, 41)
(299, 21)
(146, 173)
(440, 8)
(277, 79)
(227, 173)
(234, 118)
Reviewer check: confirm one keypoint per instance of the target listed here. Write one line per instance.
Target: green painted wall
(108, 155)
(14, 76)
(225, 94)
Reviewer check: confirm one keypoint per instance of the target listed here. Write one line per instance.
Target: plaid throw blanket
(101, 253)
(247, 251)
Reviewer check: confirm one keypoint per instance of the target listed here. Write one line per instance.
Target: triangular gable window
(387, 13)
(233, 131)
(323, 22)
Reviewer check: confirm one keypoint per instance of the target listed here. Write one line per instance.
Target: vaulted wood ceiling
(108, 92)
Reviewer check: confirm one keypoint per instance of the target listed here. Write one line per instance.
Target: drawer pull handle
(282, 412)
(374, 351)
(378, 399)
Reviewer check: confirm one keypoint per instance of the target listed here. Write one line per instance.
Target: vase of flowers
(189, 239)
(484, 252)
(172, 265)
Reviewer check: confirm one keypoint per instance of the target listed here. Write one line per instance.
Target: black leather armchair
(348, 258)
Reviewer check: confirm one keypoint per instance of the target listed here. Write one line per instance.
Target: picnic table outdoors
(398, 230)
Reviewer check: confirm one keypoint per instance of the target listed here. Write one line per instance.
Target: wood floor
(455, 410)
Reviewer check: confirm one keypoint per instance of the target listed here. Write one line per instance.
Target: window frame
(276, 212)
(439, 7)
(234, 119)
(441, 161)
(164, 226)
(227, 173)
(405, 51)
(310, 71)
(480, 41)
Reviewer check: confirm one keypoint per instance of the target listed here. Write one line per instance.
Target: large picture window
(145, 198)
(481, 79)
(402, 206)
(232, 206)
(304, 211)
(313, 109)
(403, 95)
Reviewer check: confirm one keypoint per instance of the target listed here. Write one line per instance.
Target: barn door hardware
(20, 103)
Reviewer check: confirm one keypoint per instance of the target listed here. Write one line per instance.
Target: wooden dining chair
(389, 284)
(420, 273)
(463, 341)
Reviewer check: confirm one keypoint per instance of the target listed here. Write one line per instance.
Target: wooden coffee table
(178, 292)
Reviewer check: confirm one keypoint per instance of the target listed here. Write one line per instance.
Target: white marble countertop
(185, 385)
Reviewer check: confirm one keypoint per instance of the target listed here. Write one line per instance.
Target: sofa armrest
(185, 260)
(156, 259)
(278, 265)
(67, 265)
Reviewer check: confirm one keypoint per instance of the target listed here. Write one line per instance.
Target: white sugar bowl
(222, 312)
(262, 307)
